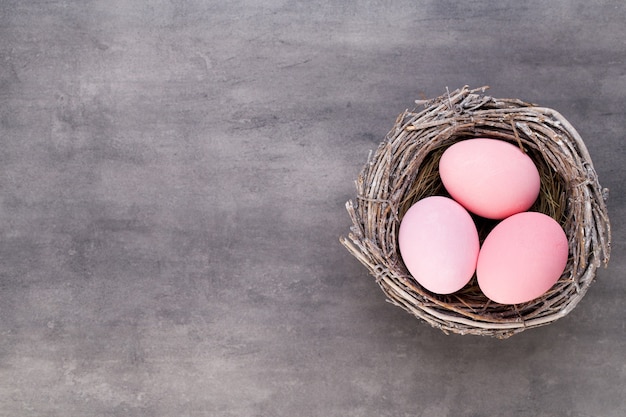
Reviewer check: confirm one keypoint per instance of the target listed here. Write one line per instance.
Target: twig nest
(404, 170)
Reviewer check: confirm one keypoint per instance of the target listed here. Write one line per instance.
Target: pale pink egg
(490, 177)
(522, 258)
(439, 244)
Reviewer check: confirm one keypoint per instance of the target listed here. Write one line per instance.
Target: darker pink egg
(522, 258)
(489, 177)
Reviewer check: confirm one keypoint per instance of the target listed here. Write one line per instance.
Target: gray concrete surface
(172, 184)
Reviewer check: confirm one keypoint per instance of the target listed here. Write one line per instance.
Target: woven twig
(404, 169)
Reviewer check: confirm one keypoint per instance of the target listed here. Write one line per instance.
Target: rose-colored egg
(490, 177)
(522, 258)
(439, 244)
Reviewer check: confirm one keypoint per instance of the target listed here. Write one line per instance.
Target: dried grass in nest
(404, 169)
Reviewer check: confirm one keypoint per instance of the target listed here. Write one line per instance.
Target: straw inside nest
(404, 169)
(551, 201)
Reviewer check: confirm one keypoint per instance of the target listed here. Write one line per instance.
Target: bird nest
(404, 169)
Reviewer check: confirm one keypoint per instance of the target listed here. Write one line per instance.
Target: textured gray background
(173, 177)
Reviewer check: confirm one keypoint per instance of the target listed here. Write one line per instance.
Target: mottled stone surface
(172, 184)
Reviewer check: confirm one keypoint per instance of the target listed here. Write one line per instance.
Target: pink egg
(522, 258)
(490, 177)
(439, 244)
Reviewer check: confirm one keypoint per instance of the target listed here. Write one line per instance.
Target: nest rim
(402, 171)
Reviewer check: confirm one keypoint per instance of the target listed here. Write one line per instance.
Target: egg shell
(490, 177)
(522, 258)
(439, 244)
